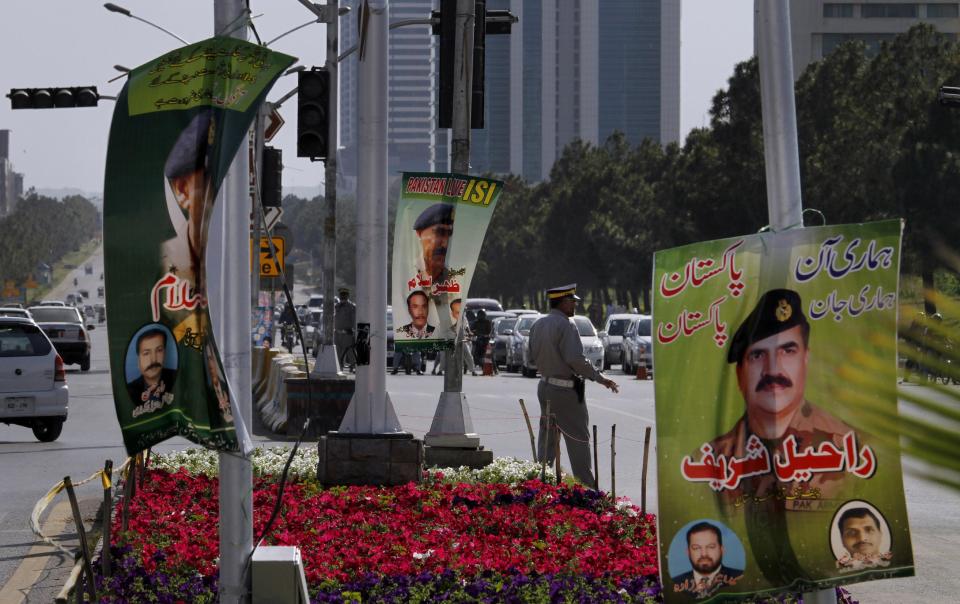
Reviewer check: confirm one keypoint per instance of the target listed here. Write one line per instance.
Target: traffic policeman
(558, 353)
(344, 324)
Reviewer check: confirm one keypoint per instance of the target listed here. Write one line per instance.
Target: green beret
(193, 146)
(438, 213)
(777, 310)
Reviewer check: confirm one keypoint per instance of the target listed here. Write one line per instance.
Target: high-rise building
(11, 183)
(578, 69)
(818, 27)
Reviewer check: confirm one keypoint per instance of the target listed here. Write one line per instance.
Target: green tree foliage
(43, 230)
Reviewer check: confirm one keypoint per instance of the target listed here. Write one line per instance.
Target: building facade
(818, 27)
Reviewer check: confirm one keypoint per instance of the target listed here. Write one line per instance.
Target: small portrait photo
(217, 381)
(150, 368)
(860, 537)
(704, 557)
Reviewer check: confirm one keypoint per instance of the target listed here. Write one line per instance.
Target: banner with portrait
(178, 123)
(769, 479)
(440, 225)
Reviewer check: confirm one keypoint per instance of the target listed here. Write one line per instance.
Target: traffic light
(53, 97)
(313, 113)
(271, 179)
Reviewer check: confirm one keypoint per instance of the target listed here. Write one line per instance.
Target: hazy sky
(77, 42)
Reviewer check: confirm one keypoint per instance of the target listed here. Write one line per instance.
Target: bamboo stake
(106, 516)
(596, 465)
(84, 549)
(546, 441)
(556, 449)
(533, 442)
(613, 460)
(643, 472)
(128, 493)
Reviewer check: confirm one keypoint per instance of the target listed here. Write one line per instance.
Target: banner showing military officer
(749, 335)
(173, 137)
(440, 225)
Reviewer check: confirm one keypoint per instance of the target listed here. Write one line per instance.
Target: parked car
(66, 329)
(637, 346)
(521, 331)
(51, 303)
(10, 311)
(33, 383)
(101, 312)
(389, 338)
(502, 330)
(592, 347)
(522, 311)
(475, 304)
(315, 301)
(312, 325)
(612, 337)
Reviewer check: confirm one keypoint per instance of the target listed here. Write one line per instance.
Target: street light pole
(236, 471)
(452, 425)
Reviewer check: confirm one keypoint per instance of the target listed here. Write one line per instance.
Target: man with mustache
(155, 381)
(709, 574)
(771, 356)
(434, 227)
(860, 533)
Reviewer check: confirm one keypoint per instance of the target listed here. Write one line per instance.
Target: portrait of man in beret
(771, 354)
(188, 195)
(434, 227)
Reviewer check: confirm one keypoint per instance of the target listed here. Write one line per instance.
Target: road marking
(35, 562)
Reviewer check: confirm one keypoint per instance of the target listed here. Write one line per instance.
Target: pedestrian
(344, 324)
(482, 329)
(558, 353)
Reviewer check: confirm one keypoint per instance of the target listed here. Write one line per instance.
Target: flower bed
(493, 535)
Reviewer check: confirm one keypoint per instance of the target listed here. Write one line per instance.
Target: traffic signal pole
(328, 365)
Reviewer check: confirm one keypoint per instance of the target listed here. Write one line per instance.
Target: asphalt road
(28, 468)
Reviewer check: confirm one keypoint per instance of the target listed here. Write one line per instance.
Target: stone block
(406, 451)
(325, 403)
(368, 449)
(369, 459)
(444, 457)
(402, 473)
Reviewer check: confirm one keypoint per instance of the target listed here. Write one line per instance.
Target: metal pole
(328, 364)
(258, 126)
(370, 410)
(780, 149)
(452, 424)
(781, 154)
(236, 475)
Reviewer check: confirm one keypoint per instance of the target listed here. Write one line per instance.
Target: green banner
(440, 225)
(178, 123)
(767, 481)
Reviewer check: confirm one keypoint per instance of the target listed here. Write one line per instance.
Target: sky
(77, 42)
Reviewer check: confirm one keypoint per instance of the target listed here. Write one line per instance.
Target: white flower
(424, 555)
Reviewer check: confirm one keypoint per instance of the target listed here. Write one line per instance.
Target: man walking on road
(344, 323)
(558, 353)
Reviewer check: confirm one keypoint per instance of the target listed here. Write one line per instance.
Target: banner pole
(236, 472)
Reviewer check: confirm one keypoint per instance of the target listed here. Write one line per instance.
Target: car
(475, 304)
(10, 311)
(312, 325)
(83, 294)
(51, 303)
(522, 311)
(592, 347)
(66, 329)
(502, 332)
(33, 383)
(315, 301)
(637, 346)
(101, 312)
(89, 312)
(389, 338)
(88, 269)
(521, 331)
(100, 291)
(612, 337)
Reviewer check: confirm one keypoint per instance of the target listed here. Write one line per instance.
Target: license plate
(18, 404)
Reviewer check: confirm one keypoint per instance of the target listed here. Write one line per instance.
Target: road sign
(272, 215)
(269, 268)
(274, 123)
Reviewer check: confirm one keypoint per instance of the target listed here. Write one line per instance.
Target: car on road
(474, 305)
(66, 329)
(33, 383)
(503, 332)
(637, 346)
(518, 339)
(592, 347)
(612, 337)
(312, 325)
(51, 303)
(10, 311)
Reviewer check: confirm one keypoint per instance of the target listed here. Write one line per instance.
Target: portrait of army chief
(148, 379)
(189, 199)
(434, 227)
(708, 573)
(771, 354)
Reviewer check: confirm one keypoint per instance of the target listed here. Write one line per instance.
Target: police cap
(438, 213)
(563, 291)
(193, 146)
(777, 310)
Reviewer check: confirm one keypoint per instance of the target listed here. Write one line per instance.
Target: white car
(637, 349)
(612, 337)
(592, 347)
(33, 383)
(518, 343)
(12, 311)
